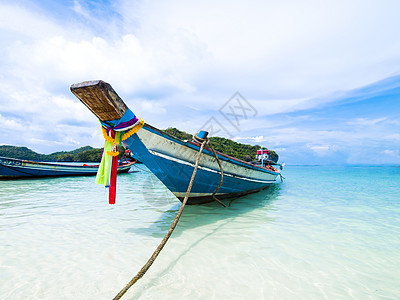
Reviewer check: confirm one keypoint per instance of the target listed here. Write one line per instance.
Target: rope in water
(168, 234)
(282, 177)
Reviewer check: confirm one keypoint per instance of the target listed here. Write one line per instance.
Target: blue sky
(323, 77)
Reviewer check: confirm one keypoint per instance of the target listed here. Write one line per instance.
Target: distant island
(83, 154)
(90, 154)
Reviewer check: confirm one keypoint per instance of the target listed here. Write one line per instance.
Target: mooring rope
(282, 177)
(168, 234)
(200, 141)
(222, 175)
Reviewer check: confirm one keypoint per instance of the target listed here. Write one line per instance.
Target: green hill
(19, 152)
(226, 146)
(86, 154)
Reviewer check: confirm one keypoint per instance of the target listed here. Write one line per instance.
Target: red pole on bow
(113, 180)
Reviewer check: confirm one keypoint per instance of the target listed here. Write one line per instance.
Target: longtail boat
(19, 168)
(170, 159)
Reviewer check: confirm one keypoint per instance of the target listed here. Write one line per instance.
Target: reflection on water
(201, 215)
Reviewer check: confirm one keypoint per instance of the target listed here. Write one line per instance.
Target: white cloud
(392, 137)
(320, 150)
(152, 107)
(167, 57)
(366, 122)
(24, 24)
(247, 139)
(395, 153)
(285, 53)
(9, 124)
(305, 49)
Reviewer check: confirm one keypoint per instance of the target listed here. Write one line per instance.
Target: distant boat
(172, 160)
(19, 168)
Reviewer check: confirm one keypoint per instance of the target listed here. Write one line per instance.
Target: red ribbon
(113, 180)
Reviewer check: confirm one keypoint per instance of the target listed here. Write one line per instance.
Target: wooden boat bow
(100, 98)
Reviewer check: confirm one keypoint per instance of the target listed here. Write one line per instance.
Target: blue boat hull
(175, 172)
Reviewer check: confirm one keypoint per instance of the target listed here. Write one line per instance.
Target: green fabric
(104, 172)
(118, 135)
(104, 168)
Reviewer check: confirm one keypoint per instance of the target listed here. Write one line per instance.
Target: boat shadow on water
(201, 215)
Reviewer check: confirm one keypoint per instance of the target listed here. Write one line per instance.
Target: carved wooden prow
(100, 98)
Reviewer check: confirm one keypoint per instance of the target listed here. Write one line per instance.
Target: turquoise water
(325, 233)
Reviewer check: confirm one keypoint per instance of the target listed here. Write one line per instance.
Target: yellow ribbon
(126, 135)
(133, 130)
(106, 136)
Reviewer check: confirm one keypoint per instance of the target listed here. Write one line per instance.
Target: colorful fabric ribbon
(113, 135)
(127, 121)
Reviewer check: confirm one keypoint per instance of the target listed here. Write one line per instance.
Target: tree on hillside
(226, 146)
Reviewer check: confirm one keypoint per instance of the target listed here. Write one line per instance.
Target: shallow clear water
(325, 233)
